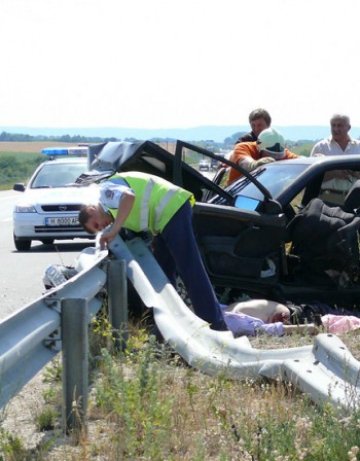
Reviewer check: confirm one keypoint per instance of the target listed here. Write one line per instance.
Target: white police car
(50, 203)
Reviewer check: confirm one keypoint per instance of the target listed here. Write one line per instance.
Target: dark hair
(84, 217)
(260, 113)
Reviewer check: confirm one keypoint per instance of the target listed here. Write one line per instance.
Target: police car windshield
(57, 175)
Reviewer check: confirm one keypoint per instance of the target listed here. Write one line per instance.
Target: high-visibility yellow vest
(156, 201)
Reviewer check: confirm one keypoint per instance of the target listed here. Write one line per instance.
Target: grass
(147, 404)
(18, 161)
(302, 149)
(17, 167)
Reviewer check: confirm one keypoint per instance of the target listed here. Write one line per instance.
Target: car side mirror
(246, 203)
(20, 187)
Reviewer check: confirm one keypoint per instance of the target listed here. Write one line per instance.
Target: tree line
(78, 139)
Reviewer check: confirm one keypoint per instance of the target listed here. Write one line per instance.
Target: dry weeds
(192, 416)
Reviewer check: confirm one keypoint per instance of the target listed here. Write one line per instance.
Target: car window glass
(196, 160)
(336, 185)
(201, 162)
(297, 202)
(275, 179)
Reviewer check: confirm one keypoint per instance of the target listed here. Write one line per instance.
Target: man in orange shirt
(269, 147)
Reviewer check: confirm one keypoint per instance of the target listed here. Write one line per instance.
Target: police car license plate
(63, 221)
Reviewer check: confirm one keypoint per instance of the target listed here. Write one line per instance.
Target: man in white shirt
(340, 142)
(337, 183)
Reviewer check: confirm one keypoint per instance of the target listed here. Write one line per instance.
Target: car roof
(327, 159)
(311, 164)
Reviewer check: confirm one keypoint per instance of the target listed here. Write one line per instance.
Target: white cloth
(330, 147)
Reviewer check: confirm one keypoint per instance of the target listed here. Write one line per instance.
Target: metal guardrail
(59, 321)
(326, 370)
(33, 336)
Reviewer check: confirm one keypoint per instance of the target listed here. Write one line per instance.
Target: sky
(177, 63)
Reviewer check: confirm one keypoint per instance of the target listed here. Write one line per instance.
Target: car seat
(352, 199)
(219, 179)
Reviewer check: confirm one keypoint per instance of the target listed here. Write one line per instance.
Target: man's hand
(264, 161)
(125, 205)
(250, 165)
(107, 237)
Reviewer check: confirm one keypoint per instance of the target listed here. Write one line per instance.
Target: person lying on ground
(256, 316)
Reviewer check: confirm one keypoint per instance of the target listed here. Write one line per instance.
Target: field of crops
(18, 160)
(33, 147)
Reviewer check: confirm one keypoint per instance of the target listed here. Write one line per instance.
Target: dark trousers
(176, 250)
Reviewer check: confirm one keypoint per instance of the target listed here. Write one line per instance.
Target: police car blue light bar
(79, 151)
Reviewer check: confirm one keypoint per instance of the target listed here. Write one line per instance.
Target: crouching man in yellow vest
(143, 202)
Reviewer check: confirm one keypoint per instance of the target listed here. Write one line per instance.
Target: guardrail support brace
(75, 343)
(118, 302)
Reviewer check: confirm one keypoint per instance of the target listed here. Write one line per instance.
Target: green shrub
(17, 167)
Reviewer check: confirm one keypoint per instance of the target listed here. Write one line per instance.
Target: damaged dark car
(287, 231)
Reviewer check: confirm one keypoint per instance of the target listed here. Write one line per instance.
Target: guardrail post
(75, 347)
(118, 302)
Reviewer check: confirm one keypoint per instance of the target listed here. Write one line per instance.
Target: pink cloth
(340, 323)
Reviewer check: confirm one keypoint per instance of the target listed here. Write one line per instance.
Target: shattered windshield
(275, 177)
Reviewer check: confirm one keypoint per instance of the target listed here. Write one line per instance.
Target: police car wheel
(22, 245)
(47, 241)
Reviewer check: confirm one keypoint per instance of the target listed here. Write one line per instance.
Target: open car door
(108, 158)
(241, 247)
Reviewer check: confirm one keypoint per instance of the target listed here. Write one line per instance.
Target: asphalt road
(21, 273)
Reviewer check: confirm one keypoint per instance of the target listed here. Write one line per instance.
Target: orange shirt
(244, 150)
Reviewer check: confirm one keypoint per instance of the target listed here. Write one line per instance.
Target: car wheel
(48, 241)
(22, 245)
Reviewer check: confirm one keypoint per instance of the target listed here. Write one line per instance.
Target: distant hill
(216, 133)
